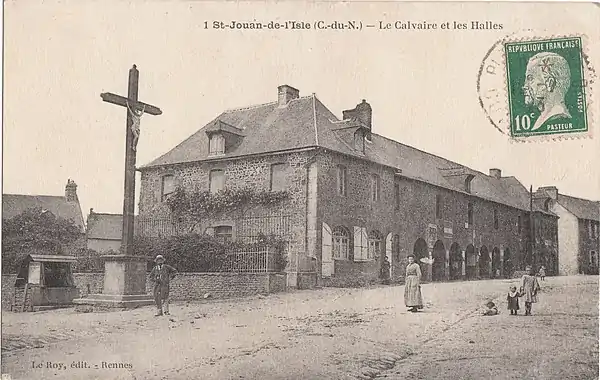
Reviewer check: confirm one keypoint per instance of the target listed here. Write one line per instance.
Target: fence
(248, 229)
(260, 259)
(158, 227)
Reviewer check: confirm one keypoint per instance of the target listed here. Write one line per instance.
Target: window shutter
(358, 252)
(365, 244)
(326, 258)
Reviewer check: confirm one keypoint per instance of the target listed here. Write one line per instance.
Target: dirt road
(318, 334)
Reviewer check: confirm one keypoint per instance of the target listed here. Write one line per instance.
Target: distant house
(578, 231)
(66, 207)
(104, 231)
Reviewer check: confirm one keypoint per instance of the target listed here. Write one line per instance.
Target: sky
(59, 57)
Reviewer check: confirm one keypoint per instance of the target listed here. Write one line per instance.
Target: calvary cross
(135, 110)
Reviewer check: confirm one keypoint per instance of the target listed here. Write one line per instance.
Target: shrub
(204, 253)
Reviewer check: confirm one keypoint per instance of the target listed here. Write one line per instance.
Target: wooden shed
(44, 281)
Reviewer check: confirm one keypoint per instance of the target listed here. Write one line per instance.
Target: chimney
(496, 173)
(552, 191)
(285, 94)
(71, 191)
(362, 112)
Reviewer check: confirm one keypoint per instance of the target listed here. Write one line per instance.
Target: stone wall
(412, 218)
(184, 287)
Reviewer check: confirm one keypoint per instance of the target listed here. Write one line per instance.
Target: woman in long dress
(412, 288)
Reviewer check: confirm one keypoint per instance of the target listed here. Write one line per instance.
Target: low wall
(193, 286)
(184, 287)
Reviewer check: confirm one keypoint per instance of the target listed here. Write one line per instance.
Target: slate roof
(15, 204)
(307, 123)
(105, 226)
(581, 208)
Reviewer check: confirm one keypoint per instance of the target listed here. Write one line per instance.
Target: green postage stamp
(536, 88)
(546, 87)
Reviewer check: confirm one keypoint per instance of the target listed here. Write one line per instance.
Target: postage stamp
(533, 88)
(546, 93)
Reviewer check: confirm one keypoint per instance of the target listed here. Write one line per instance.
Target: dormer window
(216, 145)
(359, 141)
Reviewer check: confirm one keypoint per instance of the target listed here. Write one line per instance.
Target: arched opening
(420, 251)
(438, 269)
(484, 262)
(508, 264)
(471, 264)
(496, 263)
(455, 262)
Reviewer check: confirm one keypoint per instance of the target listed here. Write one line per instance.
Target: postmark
(536, 88)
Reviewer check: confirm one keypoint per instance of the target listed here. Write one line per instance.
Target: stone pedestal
(124, 283)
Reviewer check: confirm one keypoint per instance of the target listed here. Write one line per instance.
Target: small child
(542, 273)
(513, 300)
(529, 290)
(489, 309)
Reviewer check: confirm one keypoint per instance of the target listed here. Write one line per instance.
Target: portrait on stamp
(546, 84)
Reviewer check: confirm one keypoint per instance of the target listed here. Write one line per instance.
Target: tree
(34, 231)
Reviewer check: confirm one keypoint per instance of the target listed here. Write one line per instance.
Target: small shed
(45, 281)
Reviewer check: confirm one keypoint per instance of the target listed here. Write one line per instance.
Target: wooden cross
(135, 110)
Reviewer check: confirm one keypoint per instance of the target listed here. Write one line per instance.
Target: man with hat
(161, 275)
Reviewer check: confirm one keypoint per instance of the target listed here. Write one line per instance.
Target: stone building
(104, 231)
(578, 231)
(355, 196)
(64, 206)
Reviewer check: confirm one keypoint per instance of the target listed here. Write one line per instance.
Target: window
(397, 196)
(495, 219)
(359, 141)
(278, 178)
(342, 183)
(224, 233)
(438, 206)
(374, 187)
(167, 187)
(470, 214)
(593, 258)
(374, 245)
(519, 224)
(216, 145)
(216, 180)
(596, 232)
(341, 243)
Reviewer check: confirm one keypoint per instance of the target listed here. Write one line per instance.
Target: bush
(204, 253)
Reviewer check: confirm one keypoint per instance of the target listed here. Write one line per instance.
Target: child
(542, 273)
(489, 309)
(529, 289)
(513, 300)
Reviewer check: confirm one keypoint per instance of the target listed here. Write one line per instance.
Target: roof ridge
(261, 105)
(578, 198)
(35, 195)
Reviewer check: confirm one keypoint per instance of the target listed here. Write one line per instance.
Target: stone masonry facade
(412, 216)
(252, 173)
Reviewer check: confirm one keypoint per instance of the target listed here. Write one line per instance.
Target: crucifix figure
(135, 110)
